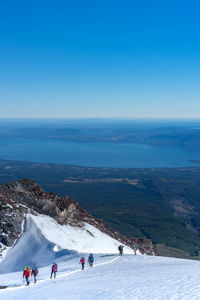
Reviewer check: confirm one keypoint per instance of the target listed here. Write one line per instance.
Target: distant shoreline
(195, 161)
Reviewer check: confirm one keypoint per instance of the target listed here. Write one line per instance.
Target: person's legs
(27, 281)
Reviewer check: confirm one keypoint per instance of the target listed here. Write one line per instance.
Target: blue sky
(100, 58)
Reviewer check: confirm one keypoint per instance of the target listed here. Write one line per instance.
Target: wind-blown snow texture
(43, 240)
(121, 278)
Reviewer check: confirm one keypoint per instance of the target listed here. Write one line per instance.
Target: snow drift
(44, 240)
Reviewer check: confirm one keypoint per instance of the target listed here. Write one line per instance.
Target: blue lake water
(95, 154)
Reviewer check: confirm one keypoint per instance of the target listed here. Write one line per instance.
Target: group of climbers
(90, 261)
(121, 248)
(27, 272)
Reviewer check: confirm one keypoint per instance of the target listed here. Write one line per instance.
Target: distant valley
(158, 203)
(141, 177)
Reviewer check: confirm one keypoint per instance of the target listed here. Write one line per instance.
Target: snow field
(114, 278)
(129, 277)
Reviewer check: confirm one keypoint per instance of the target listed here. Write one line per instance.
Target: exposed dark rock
(25, 196)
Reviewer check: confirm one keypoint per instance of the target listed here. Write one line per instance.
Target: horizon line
(102, 118)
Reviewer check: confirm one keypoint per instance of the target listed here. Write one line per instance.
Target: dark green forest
(161, 204)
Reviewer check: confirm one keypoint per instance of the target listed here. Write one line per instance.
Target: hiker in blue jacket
(91, 260)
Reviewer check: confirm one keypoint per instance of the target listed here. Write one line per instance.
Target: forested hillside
(161, 204)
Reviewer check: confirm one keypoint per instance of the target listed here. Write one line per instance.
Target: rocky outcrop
(25, 196)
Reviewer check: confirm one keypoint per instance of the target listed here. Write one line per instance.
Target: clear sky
(99, 58)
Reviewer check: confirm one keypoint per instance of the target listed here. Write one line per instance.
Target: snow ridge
(44, 240)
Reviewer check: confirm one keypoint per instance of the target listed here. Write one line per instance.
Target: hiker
(134, 249)
(26, 274)
(91, 260)
(54, 269)
(34, 273)
(82, 262)
(120, 248)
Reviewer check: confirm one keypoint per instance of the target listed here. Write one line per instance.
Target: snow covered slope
(43, 240)
(112, 278)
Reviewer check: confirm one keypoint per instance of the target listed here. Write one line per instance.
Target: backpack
(54, 268)
(28, 271)
(35, 271)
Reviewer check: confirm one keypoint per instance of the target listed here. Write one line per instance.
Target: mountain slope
(160, 204)
(44, 240)
(19, 198)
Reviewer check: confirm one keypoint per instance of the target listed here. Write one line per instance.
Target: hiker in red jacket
(26, 274)
(54, 270)
(82, 262)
